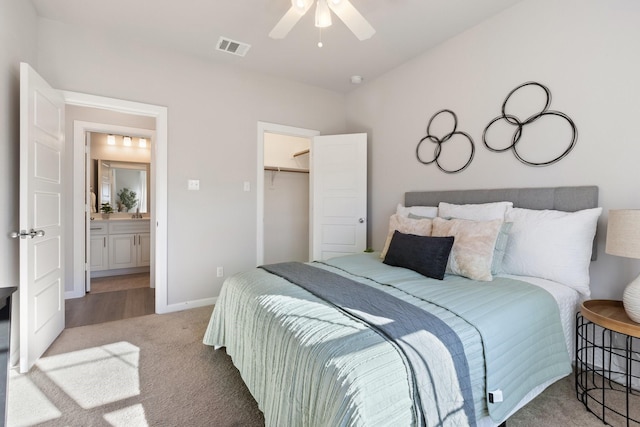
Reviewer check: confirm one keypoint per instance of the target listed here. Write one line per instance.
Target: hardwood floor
(131, 300)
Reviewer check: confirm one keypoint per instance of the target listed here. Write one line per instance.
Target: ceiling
(404, 29)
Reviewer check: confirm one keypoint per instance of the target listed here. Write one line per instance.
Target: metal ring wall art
(440, 141)
(519, 125)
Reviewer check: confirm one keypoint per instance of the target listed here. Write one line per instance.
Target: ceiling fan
(342, 8)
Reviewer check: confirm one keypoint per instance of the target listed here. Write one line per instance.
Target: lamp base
(631, 300)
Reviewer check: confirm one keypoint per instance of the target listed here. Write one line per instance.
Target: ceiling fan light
(300, 5)
(323, 14)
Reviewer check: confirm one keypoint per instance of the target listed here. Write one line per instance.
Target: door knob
(23, 234)
(361, 220)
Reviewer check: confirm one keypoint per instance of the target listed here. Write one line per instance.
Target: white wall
(584, 51)
(18, 30)
(213, 113)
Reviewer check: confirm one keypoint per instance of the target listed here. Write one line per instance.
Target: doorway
(118, 179)
(286, 198)
(294, 137)
(117, 246)
(158, 178)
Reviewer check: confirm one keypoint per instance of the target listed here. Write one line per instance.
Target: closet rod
(279, 169)
(300, 153)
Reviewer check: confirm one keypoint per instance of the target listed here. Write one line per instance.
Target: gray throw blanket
(410, 328)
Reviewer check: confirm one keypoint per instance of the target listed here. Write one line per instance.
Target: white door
(338, 199)
(41, 202)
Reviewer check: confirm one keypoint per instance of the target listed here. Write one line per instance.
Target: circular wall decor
(519, 124)
(439, 141)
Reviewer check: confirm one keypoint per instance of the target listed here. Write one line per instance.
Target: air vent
(232, 46)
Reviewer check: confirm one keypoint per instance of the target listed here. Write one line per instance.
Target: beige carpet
(155, 371)
(144, 371)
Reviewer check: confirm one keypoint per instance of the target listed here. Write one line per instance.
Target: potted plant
(127, 198)
(106, 210)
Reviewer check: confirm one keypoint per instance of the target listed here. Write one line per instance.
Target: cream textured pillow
(554, 245)
(473, 245)
(418, 227)
(475, 212)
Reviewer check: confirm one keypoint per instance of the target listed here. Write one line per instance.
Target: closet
(286, 198)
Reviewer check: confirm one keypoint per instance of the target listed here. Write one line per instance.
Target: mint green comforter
(307, 364)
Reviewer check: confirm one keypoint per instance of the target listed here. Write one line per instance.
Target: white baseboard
(187, 305)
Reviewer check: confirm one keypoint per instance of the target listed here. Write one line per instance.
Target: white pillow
(551, 244)
(418, 227)
(475, 212)
(422, 211)
(473, 245)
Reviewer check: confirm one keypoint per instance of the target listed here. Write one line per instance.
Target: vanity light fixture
(142, 143)
(111, 140)
(126, 141)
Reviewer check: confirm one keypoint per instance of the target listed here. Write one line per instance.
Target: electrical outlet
(220, 272)
(193, 184)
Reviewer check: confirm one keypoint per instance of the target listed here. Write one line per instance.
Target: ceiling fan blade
(352, 19)
(287, 22)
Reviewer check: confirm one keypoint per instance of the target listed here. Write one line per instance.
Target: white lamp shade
(623, 239)
(623, 233)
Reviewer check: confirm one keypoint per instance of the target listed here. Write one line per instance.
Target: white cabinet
(127, 246)
(99, 247)
(122, 251)
(129, 250)
(119, 244)
(143, 249)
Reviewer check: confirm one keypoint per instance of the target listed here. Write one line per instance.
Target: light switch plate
(193, 184)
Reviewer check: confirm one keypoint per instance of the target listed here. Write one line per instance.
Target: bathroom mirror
(113, 176)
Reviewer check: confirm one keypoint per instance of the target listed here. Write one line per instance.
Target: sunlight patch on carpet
(96, 376)
(127, 417)
(27, 405)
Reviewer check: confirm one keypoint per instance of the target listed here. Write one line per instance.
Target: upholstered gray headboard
(569, 199)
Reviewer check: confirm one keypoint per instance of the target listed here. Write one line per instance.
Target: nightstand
(605, 361)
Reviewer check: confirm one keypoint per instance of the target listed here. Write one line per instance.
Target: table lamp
(623, 239)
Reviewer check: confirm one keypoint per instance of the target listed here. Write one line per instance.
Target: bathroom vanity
(119, 245)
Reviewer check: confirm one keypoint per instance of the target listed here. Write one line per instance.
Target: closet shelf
(284, 169)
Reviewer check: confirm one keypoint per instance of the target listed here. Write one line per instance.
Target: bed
(466, 335)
